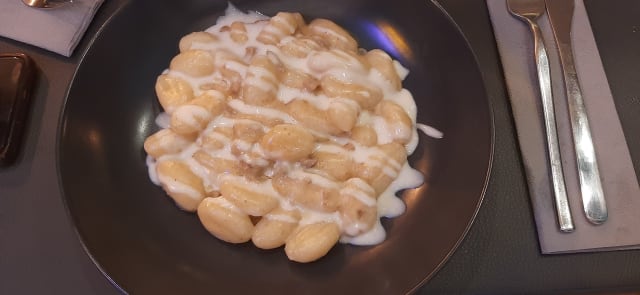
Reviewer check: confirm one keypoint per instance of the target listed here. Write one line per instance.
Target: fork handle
(557, 176)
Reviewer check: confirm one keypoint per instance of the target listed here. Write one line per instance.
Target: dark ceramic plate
(145, 245)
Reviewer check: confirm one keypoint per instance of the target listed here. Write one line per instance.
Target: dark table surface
(41, 254)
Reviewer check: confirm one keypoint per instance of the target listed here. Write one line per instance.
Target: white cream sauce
(430, 131)
(319, 64)
(151, 167)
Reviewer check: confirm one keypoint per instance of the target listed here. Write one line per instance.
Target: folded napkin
(620, 184)
(58, 30)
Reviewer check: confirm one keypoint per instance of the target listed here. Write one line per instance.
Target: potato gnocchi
(284, 133)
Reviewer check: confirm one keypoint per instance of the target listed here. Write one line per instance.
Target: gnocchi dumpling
(173, 92)
(281, 25)
(282, 133)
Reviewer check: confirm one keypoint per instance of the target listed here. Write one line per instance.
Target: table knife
(560, 14)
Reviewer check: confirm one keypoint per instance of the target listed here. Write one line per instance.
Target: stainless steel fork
(529, 11)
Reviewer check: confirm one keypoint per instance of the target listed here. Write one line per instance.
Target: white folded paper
(58, 30)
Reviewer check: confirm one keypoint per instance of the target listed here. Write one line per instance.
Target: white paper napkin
(620, 184)
(58, 30)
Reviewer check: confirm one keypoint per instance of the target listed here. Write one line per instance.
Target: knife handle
(594, 205)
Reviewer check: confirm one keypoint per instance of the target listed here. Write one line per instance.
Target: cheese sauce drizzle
(317, 65)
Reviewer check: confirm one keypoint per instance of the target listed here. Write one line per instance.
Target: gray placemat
(620, 184)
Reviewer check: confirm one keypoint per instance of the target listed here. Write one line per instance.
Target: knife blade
(560, 14)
